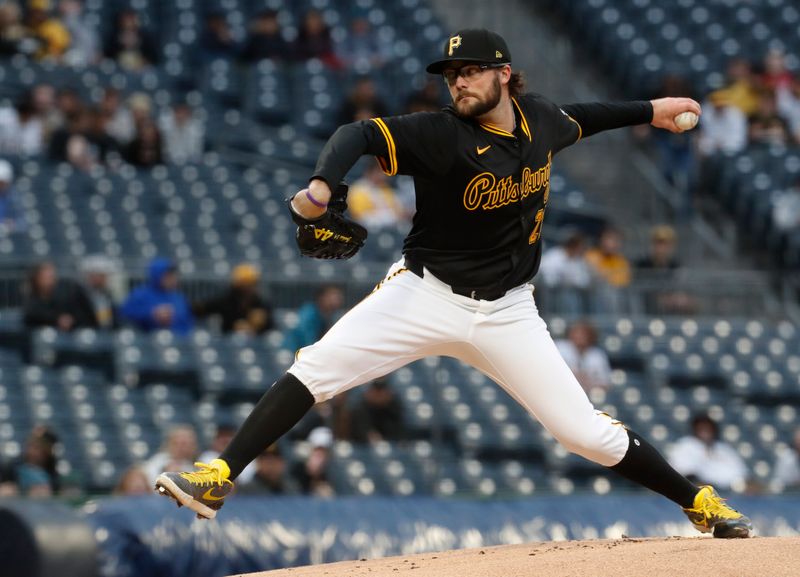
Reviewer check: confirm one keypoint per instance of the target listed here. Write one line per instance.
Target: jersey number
(537, 228)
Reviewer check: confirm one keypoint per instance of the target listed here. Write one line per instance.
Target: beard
(479, 107)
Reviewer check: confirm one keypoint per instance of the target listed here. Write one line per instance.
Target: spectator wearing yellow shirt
(52, 35)
(608, 261)
(373, 202)
(741, 90)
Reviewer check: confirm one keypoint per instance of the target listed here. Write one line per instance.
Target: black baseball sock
(643, 464)
(278, 410)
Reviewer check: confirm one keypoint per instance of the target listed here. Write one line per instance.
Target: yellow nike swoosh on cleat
(209, 497)
(484, 149)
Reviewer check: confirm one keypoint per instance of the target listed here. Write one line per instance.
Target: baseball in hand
(686, 120)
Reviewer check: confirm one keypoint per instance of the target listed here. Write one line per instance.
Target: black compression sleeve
(342, 151)
(595, 117)
(279, 409)
(643, 464)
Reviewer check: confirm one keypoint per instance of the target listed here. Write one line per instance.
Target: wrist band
(314, 201)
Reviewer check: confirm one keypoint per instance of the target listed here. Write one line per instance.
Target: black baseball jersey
(481, 192)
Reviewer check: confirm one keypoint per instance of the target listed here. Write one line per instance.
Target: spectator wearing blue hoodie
(158, 304)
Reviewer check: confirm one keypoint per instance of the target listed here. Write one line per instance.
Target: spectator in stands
(159, 304)
(586, 360)
(141, 108)
(12, 33)
(611, 266)
(266, 40)
(270, 475)
(240, 308)
(373, 201)
(45, 106)
(767, 127)
(67, 103)
(361, 50)
(217, 40)
(22, 129)
(36, 474)
(788, 104)
(222, 436)
(787, 467)
(312, 474)
(178, 452)
(129, 44)
(314, 40)
(607, 259)
(104, 147)
(362, 103)
(315, 318)
(661, 256)
(565, 272)
(12, 219)
(742, 88)
(68, 111)
(51, 35)
(43, 99)
(121, 125)
(659, 268)
(84, 48)
(379, 415)
(183, 134)
(133, 482)
(775, 74)
(75, 126)
(426, 99)
(704, 459)
(50, 302)
(97, 271)
(145, 150)
(786, 208)
(83, 142)
(723, 127)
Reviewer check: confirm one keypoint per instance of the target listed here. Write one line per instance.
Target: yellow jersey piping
(390, 277)
(391, 169)
(523, 124)
(494, 129)
(578, 124)
(523, 121)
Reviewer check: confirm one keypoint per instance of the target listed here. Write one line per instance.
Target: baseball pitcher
(481, 169)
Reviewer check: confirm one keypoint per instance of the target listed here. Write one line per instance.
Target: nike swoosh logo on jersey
(484, 149)
(209, 497)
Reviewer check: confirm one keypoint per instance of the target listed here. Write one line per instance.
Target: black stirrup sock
(643, 464)
(278, 410)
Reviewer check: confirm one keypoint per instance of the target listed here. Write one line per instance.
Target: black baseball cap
(472, 45)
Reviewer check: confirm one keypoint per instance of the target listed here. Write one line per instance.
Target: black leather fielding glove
(332, 235)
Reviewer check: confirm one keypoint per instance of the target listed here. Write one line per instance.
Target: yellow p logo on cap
(455, 42)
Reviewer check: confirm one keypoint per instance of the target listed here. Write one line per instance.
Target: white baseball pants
(407, 318)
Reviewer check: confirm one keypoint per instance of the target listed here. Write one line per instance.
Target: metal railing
(685, 291)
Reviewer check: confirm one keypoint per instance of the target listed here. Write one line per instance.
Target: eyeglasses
(468, 72)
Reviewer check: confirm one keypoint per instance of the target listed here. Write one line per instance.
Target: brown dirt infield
(671, 557)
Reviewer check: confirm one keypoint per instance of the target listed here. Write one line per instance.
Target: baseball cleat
(203, 491)
(711, 514)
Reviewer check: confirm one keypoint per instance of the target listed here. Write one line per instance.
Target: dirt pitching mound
(672, 557)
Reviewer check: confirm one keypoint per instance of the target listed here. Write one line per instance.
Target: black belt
(490, 294)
